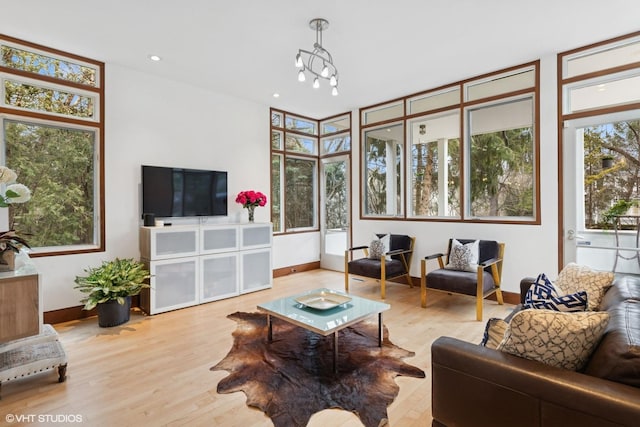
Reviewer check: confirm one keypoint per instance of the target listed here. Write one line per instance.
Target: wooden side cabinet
(20, 314)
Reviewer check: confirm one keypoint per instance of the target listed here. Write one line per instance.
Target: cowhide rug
(292, 378)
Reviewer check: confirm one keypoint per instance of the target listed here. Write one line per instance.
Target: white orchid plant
(14, 192)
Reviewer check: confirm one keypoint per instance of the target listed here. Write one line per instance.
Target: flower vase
(251, 210)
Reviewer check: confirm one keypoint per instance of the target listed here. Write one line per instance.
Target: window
(383, 170)
(300, 193)
(294, 172)
(435, 165)
(52, 125)
(501, 166)
(470, 149)
(297, 144)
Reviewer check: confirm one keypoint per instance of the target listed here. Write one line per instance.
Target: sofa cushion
(617, 357)
(575, 278)
(462, 282)
(564, 340)
(623, 288)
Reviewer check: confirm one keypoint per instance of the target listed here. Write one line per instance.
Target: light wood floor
(154, 370)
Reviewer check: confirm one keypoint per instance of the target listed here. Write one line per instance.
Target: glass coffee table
(325, 312)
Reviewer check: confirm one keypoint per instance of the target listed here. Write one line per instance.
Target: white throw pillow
(464, 257)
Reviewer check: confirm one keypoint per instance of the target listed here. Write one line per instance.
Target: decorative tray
(323, 300)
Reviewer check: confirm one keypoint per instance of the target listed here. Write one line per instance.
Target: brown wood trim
(98, 125)
(508, 297)
(285, 271)
(77, 312)
(601, 111)
(49, 49)
(560, 157)
(67, 314)
(463, 107)
(561, 81)
(597, 44)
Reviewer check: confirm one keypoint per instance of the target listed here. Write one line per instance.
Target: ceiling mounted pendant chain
(319, 62)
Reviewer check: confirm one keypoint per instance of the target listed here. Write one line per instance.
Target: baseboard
(285, 271)
(76, 313)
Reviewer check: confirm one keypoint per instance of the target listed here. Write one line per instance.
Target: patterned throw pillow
(376, 249)
(494, 332)
(379, 246)
(464, 257)
(564, 340)
(574, 278)
(544, 295)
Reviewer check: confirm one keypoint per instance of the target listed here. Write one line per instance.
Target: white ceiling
(383, 49)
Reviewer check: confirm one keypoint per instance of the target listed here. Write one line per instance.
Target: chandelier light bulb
(333, 81)
(334, 91)
(298, 61)
(325, 71)
(301, 76)
(316, 83)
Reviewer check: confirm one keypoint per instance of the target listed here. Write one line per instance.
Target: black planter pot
(607, 163)
(113, 314)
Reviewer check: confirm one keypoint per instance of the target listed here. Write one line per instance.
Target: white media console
(194, 264)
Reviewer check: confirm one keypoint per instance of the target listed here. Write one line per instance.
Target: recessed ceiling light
(276, 95)
(154, 58)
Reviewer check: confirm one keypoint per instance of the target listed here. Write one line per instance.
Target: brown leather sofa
(476, 386)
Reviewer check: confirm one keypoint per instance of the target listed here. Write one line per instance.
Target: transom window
(52, 128)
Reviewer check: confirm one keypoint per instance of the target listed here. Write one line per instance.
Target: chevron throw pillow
(544, 295)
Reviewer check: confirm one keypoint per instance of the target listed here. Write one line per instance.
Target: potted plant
(10, 245)
(110, 288)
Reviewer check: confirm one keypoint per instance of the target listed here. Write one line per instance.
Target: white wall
(155, 121)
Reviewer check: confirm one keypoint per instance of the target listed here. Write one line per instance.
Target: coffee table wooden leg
(270, 328)
(379, 329)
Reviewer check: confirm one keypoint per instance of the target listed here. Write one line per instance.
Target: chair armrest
(434, 256)
(525, 284)
(489, 262)
(399, 252)
(355, 248)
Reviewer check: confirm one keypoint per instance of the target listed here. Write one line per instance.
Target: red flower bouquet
(250, 199)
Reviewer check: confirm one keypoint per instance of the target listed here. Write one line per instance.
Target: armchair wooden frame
(495, 265)
(405, 255)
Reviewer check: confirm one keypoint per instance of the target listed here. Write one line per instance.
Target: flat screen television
(179, 192)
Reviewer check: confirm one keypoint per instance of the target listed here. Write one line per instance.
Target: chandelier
(319, 62)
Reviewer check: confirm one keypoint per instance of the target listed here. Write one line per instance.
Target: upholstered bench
(31, 355)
